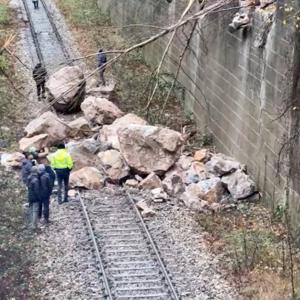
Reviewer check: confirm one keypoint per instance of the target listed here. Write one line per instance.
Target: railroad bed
(129, 263)
(47, 40)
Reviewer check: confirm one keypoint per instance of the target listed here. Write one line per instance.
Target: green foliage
(251, 248)
(15, 243)
(4, 15)
(84, 13)
(4, 63)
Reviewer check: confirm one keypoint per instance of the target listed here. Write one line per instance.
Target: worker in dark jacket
(45, 193)
(26, 167)
(34, 191)
(101, 62)
(62, 162)
(39, 75)
(52, 175)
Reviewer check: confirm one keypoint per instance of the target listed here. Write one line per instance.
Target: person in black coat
(34, 192)
(45, 192)
(39, 75)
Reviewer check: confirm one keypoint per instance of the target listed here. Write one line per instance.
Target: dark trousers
(44, 208)
(40, 87)
(62, 176)
(35, 3)
(101, 73)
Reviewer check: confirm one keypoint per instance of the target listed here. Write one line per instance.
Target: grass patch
(15, 242)
(4, 14)
(255, 250)
(83, 13)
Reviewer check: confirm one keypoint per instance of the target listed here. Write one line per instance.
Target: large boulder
(84, 153)
(149, 149)
(100, 111)
(221, 164)
(79, 128)
(66, 89)
(239, 184)
(109, 133)
(210, 190)
(113, 164)
(87, 177)
(38, 141)
(50, 124)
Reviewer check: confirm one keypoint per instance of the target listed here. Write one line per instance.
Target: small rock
(146, 210)
(202, 155)
(159, 195)
(173, 182)
(132, 183)
(138, 177)
(152, 181)
(239, 184)
(196, 173)
(72, 193)
(221, 164)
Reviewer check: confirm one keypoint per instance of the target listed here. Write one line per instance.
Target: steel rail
(57, 34)
(165, 272)
(33, 33)
(105, 279)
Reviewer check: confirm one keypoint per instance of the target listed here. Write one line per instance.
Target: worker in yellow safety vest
(61, 161)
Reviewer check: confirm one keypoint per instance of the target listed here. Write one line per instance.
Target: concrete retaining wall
(235, 83)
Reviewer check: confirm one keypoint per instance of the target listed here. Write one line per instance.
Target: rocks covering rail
(108, 145)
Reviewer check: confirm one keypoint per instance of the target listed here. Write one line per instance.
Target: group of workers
(39, 73)
(40, 180)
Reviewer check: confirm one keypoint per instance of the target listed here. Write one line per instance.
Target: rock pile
(125, 149)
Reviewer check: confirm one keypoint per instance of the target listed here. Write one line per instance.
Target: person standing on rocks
(39, 75)
(35, 4)
(45, 190)
(101, 62)
(61, 161)
(34, 192)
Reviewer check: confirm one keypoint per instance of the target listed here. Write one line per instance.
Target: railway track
(49, 28)
(129, 262)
